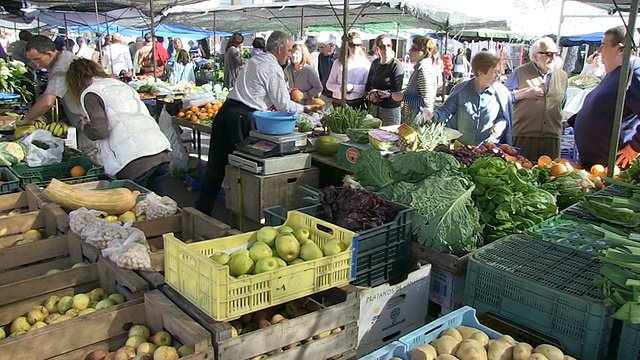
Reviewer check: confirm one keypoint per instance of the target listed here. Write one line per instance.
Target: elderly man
(116, 57)
(593, 124)
(259, 86)
(538, 90)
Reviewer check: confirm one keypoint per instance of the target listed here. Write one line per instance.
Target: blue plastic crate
(464, 316)
(546, 287)
(391, 350)
(384, 252)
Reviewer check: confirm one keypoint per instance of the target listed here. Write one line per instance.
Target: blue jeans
(154, 179)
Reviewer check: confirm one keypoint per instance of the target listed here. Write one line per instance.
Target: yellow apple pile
(143, 346)
(28, 236)
(276, 248)
(56, 309)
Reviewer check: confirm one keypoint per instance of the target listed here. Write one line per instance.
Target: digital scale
(271, 154)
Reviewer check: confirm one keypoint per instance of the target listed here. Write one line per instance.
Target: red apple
(277, 318)
(264, 323)
(99, 354)
(162, 338)
(166, 353)
(125, 353)
(146, 347)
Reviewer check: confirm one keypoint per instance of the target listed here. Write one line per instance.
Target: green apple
(310, 251)
(260, 250)
(185, 350)
(266, 264)
(65, 303)
(38, 313)
(103, 304)
(281, 263)
(284, 229)
(166, 352)
(287, 246)
(77, 265)
(117, 298)
(221, 258)
(135, 341)
(52, 271)
(240, 264)
(267, 234)
(146, 347)
(332, 247)
(81, 301)
(301, 234)
(3, 334)
(97, 294)
(139, 330)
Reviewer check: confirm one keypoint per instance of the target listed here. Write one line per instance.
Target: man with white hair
(538, 91)
(116, 56)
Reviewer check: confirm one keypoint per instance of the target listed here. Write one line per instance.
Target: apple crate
(20, 297)
(33, 259)
(339, 307)
(75, 338)
(208, 285)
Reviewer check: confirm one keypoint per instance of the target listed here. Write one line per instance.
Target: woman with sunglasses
(357, 73)
(479, 108)
(386, 75)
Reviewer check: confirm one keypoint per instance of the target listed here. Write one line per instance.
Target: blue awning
(577, 40)
(165, 30)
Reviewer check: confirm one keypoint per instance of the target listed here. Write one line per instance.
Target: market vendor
(131, 144)
(259, 86)
(479, 108)
(593, 124)
(42, 51)
(538, 89)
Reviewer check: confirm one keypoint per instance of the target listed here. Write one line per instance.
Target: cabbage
(12, 152)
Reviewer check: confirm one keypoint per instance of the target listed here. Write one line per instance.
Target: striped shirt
(261, 84)
(421, 90)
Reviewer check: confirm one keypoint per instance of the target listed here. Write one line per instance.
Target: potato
(470, 349)
(446, 357)
(500, 349)
(446, 345)
(466, 331)
(537, 356)
(508, 339)
(423, 352)
(522, 351)
(453, 332)
(488, 345)
(480, 337)
(550, 351)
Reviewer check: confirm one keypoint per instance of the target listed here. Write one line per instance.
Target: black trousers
(230, 126)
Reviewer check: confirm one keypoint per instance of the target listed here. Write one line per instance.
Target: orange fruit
(208, 105)
(558, 169)
(210, 111)
(203, 116)
(77, 171)
(135, 192)
(598, 170)
(181, 114)
(194, 109)
(194, 118)
(544, 160)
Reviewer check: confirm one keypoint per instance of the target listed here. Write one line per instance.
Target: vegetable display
(355, 209)
(12, 152)
(614, 209)
(343, 117)
(508, 203)
(569, 188)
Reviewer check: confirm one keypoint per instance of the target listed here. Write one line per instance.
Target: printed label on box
(447, 289)
(387, 309)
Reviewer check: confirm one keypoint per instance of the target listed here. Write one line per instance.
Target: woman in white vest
(131, 144)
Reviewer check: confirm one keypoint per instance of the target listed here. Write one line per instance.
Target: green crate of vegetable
(629, 346)
(42, 175)
(545, 287)
(567, 231)
(9, 182)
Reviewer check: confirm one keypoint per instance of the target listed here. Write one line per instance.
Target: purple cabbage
(355, 209)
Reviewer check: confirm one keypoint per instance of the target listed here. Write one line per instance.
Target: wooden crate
(247, 194)
(342, 306)
(19, 297)
(107, 329)
(23, 200)
(448, 262)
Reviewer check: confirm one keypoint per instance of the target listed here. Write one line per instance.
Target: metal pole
(623, 85)
(345, 51)
(95, 3)
(66, 30)
(301, 21)
(561, 18)
(214, 39)
(153, 39)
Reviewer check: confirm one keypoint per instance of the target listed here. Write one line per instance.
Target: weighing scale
(271, 154)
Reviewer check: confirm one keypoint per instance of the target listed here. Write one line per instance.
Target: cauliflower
(11, 152)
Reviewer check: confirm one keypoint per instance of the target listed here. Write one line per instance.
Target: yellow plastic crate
(209, 286)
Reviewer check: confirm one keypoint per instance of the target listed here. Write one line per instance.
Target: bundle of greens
(569, 188)
(342, 118)
(507, 202)
(614, 209)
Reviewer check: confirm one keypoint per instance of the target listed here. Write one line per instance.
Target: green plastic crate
(570, 232)
(42, 175)
(629, 347)
(10, 182)
(546, 287)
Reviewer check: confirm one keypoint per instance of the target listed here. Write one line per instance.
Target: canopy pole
(561, 20)
(214, 37)
(345, 52)
(444, 80)
(95, 3)
(153, 39)
(623, 85)
(66, 30)
(301, 21)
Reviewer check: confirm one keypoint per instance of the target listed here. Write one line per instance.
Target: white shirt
(83, 51)
(357, 73)
(261, 84)
(116, 57)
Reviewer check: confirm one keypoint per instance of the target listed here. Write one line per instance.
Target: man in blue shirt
(593, 124)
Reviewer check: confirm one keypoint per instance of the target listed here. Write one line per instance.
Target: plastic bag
(178, 154)
(102, 235)
(155, 207)
(130, 254)
(197, 98)
(43, 148)
(80, 218)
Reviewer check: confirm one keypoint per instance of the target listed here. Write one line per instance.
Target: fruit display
(201, 114)
(469, 343)
(276, 248)
(12, 239)
(57, 129)
(60, 308)
(142, 345)
(327, 145)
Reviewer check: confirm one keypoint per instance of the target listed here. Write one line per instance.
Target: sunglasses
(353, 46)
(547, 53)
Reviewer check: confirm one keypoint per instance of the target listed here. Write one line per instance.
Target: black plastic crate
(384, 252)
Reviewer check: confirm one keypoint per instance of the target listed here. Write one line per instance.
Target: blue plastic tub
(275, 122)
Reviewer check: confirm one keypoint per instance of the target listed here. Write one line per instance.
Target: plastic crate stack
(544, 286)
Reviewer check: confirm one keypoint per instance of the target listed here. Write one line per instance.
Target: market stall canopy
(578, 40)
(292, 15)
(89, 6)
(126, 17)
(486, 34)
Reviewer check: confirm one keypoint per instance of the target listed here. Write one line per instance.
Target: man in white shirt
(260, 85)
(116, 56)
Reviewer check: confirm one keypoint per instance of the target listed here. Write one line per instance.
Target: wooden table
(197, 128)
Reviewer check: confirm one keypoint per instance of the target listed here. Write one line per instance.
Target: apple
(81, 301)
(162, 338)
(99, 354)
(146, 347)
(166, 353)
(139, 330)
(97, 294)
(135, 341)
(221, 258)
(143, 356)
(52, 317)
(237, 325)
(19, 324)
(38, 313)
(277, 318)
(185, 350)
(125, 353)
(301, 234)
(103, 304)
(264, 324)
(117, 298)
(3, 334)
(77, 265)
(266, 264)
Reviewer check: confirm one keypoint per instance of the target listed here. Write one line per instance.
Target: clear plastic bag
(130, 254)
(102, 235)
(155, 207)
(80, 218)
(43, 148)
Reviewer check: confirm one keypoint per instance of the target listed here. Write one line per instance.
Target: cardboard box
(447, 289)
(349, 152)
(389, 311)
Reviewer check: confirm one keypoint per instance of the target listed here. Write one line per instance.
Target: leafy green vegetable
(614, 209)
(12, 152)
(569, 188)
(373, 171)
(414, 166)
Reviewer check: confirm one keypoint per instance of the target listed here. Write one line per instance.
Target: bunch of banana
(40, 125)
(57, 129)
